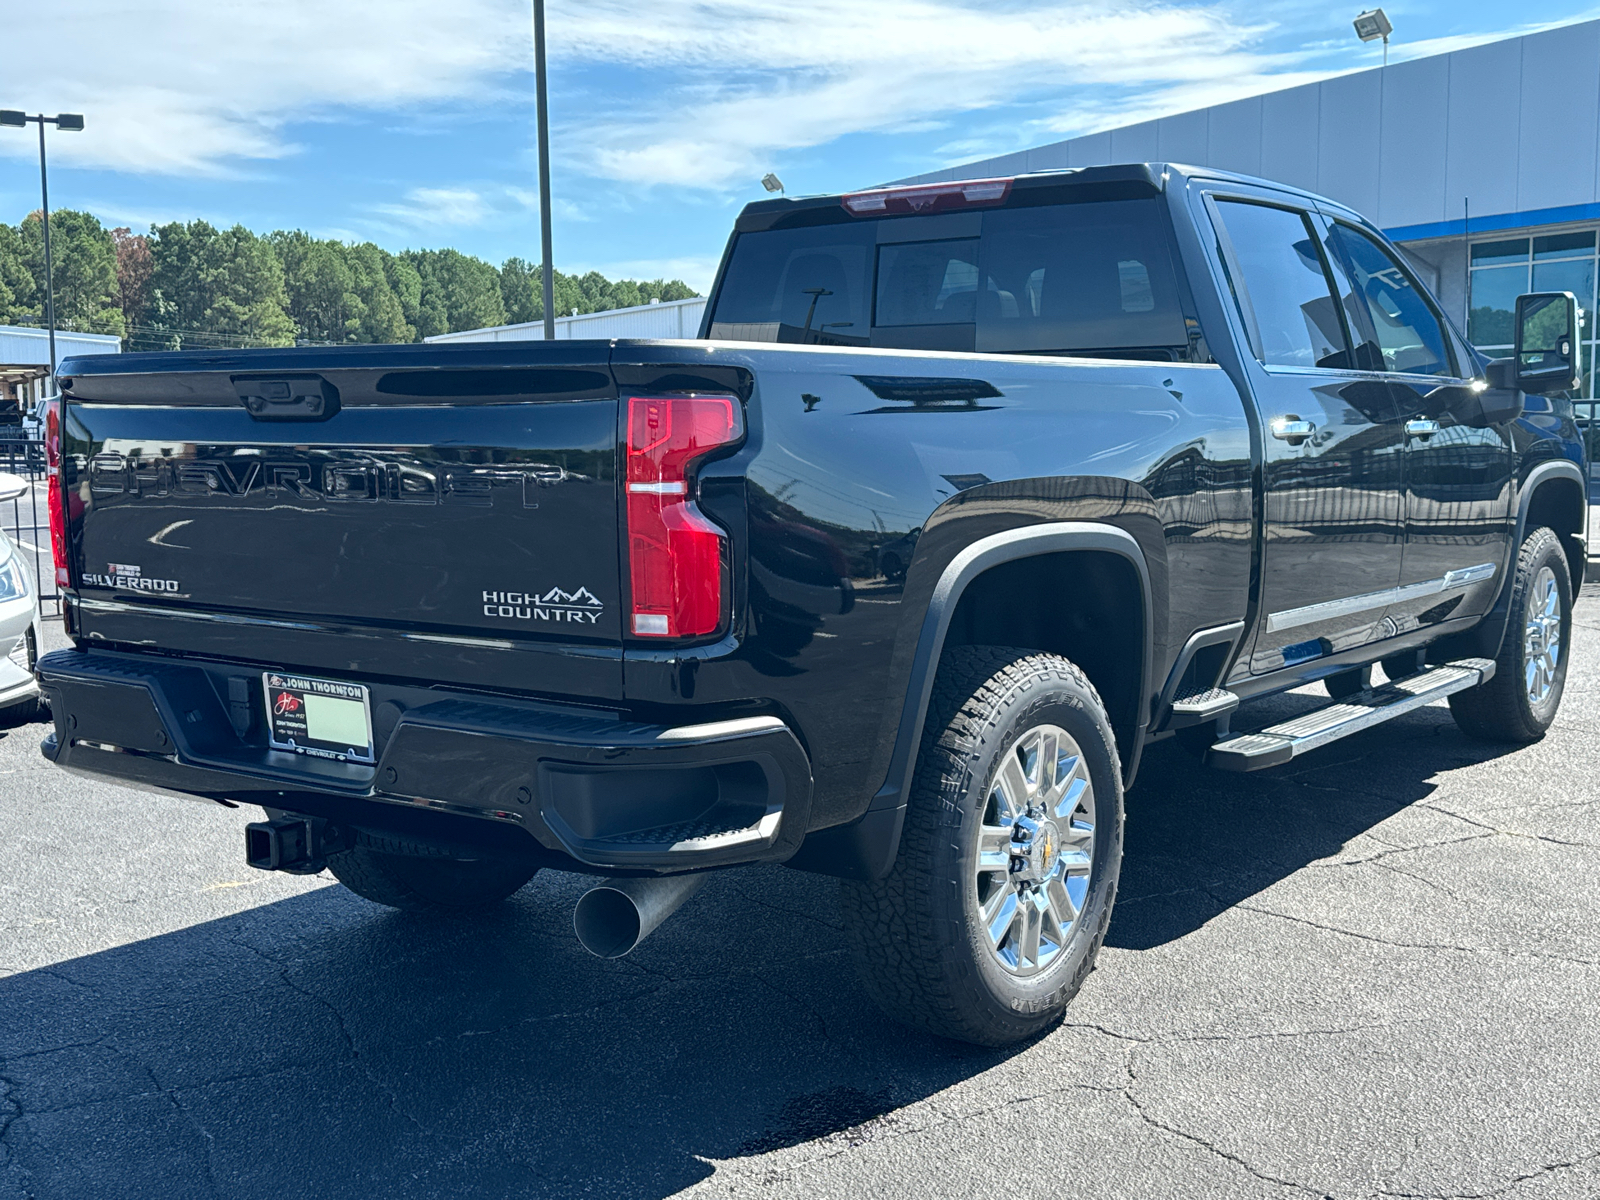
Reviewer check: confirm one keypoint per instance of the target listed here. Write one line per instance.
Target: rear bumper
(500, 774)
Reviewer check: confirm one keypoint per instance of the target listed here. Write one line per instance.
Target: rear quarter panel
(860, 460)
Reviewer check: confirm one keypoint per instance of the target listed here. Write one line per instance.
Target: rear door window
(1285, 297)
(1090, 278)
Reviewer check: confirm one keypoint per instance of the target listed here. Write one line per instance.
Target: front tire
(1000, 897)
(416, 878)
(1519, 704)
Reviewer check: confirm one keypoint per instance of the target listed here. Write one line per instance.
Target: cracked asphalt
(1371, 974)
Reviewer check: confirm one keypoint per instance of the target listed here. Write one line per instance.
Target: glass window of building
(1504, 268)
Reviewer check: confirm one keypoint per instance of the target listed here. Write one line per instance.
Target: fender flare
(1484, 640)
(866, 847)
(1556, 468)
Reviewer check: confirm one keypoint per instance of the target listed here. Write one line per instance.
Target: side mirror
(1546, 352)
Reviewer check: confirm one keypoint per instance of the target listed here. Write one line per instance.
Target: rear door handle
(1421, 429)
(1292, 429)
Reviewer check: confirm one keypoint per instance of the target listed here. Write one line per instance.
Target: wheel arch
(978, 576)
(1553, 493)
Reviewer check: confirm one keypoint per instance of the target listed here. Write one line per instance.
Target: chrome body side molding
(1312, 613)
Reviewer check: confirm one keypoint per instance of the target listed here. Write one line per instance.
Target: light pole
(542, 100)
(69, 121)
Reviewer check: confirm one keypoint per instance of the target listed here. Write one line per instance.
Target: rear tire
(1001, 893)
(1398, 666)
(415, 878)
(1348, 683)
(1519, 704)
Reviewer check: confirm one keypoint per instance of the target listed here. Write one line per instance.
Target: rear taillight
(58, 508)
(926, 197)
(675, 558)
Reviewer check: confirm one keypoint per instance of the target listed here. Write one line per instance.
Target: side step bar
(1202, 706)
(1277, 745)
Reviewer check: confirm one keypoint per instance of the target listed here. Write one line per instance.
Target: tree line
(190, 285)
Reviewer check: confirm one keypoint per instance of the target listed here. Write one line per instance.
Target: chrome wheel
(1542, 636)
(1035, 849)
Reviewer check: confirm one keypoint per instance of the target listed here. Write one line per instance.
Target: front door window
(1409, 335)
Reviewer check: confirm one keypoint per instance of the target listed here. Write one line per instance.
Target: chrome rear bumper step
(1277, 745)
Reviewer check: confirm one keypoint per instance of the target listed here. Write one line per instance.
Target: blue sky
(410, 122)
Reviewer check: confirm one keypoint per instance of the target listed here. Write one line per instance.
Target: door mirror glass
(1546, 342)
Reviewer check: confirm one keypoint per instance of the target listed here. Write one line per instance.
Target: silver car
(19, 621)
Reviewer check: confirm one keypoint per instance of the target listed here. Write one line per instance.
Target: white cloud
(195, 86)
(433, 208)
(691, 93)
(696, 270)
(769, 79)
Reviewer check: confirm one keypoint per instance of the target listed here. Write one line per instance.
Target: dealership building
(25, 377)
(1483, 164)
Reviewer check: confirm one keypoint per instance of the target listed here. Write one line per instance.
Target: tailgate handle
(287, 397)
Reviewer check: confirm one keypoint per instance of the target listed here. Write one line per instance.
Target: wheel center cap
(1046, 846)
(1034, 856)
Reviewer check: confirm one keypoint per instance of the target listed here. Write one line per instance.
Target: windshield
(1095, 278)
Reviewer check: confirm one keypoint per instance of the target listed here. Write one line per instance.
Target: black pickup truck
(966, 494)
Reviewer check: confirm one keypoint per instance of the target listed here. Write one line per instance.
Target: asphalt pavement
(1373, 973)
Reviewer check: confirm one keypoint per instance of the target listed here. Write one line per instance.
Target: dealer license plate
(322, 717)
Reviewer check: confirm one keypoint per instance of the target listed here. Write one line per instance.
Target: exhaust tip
(607, 922)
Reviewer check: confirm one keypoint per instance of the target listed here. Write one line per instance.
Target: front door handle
(1292, 429)
(1421, 429)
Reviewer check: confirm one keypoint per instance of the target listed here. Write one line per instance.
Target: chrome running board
(1278, 744)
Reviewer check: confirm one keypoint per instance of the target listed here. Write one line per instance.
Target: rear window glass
(927, 283)
(1094, 278)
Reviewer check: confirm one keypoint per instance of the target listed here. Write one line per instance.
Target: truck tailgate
(474, 504)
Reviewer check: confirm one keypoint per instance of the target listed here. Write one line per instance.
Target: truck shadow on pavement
(1200, 841)
(320, 1046)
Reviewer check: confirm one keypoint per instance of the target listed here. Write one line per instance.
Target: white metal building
(25, 361)
(670, 319)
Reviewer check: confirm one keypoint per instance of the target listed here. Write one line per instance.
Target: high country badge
(580, 607)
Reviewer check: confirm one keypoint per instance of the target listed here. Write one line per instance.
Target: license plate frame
(299, 708)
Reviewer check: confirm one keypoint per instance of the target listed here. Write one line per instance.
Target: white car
(19, 621)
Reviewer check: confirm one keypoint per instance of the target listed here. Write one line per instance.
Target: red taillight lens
(926, 198)
(674, 553)
(53, 495)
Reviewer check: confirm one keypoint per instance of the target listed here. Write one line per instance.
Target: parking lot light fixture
(1372, 25)
(73, 122)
